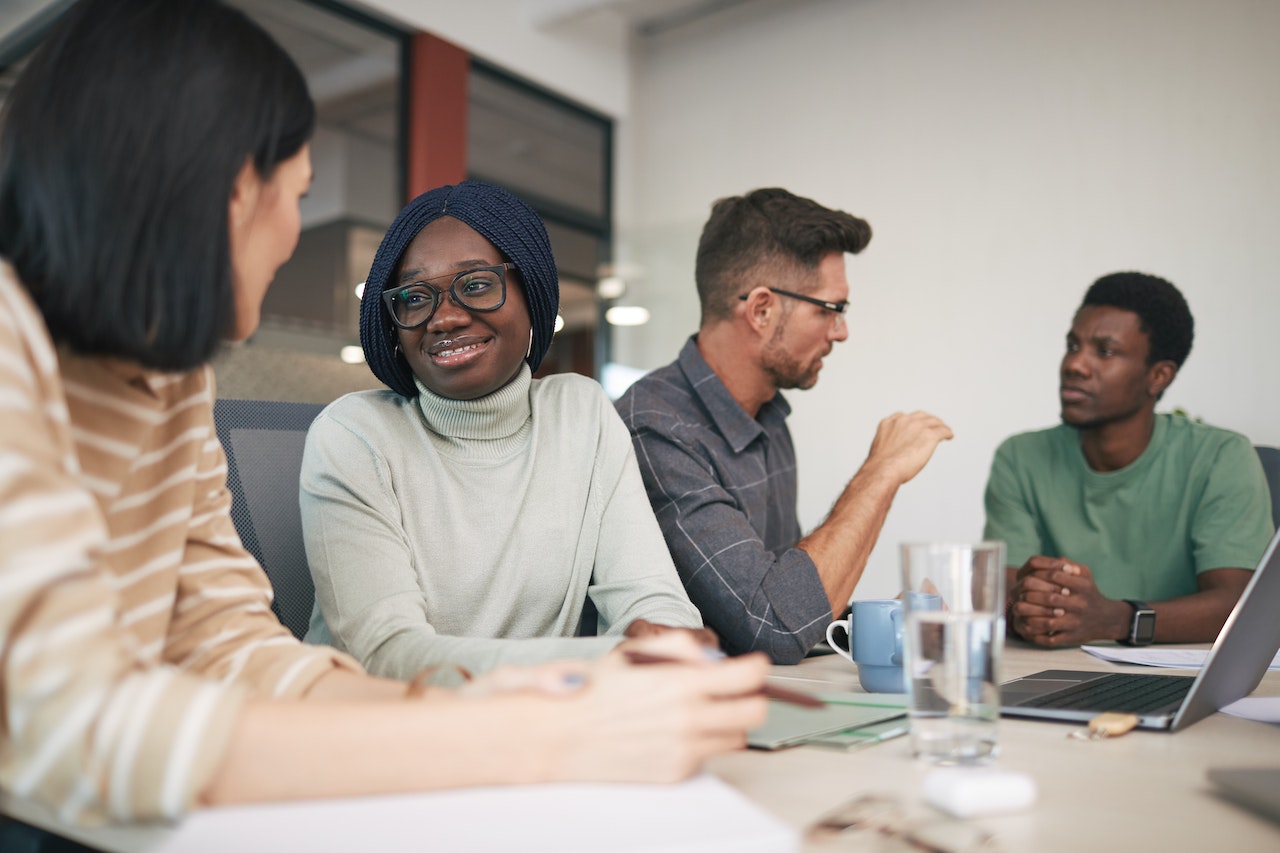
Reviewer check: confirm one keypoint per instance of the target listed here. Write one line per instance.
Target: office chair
(263, 440)
(1270, 457)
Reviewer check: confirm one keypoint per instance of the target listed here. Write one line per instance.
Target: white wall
(583, 58)
(1006, 154)
(327, 198)
(354, 179)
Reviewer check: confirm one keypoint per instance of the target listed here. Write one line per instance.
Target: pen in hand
(782, 694)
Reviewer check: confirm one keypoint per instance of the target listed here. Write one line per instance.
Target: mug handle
(895, 616)
(847, 625)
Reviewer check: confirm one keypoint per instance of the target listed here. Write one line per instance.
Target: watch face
(1144, 627)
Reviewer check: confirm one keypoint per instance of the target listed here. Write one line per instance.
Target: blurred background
(1006, 154)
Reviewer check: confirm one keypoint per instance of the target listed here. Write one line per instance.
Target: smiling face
(1104, 376)
(793, 356)
(458, 353)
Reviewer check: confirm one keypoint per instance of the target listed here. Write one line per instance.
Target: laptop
(1234, 667)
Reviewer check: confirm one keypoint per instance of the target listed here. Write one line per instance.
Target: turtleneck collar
(502, 414)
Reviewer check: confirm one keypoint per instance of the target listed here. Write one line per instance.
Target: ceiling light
(627, 315)
(360, 290)
(351, 355)
(611, 287)
(559, 323)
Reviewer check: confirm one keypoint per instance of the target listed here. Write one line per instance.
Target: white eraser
(977, 791)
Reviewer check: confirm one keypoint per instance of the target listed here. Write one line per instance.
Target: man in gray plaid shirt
(711, 437)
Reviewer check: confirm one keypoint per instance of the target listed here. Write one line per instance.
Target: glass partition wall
(308, 346)
(553, 153)
(558, 157)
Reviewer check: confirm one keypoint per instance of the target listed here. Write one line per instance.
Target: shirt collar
(732, 421)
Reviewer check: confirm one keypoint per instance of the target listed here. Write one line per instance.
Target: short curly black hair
(1161, 309)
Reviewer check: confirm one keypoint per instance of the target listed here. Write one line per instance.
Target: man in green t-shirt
(1122, 524)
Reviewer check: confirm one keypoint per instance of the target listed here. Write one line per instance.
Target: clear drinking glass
(952, 654)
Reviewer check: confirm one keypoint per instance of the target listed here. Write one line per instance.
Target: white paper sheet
(1173, 658)
(702, 815)
(1264, 709)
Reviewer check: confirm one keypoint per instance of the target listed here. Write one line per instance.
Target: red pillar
(437, 114)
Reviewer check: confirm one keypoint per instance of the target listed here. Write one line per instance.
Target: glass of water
(952, 653)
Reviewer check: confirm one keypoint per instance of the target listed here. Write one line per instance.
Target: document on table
(1159, 656)
(702, 815)
(1264, 709)
(858, 715)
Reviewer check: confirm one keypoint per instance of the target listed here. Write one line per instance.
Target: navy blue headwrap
(498, 216)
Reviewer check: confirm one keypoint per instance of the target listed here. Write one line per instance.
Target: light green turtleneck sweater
(470, 532)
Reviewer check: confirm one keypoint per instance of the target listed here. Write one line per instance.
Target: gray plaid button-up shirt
(723, 486)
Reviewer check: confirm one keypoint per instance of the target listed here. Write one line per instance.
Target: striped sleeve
(223, 626)
(85, 727)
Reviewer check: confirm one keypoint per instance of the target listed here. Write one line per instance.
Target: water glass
(952, 654)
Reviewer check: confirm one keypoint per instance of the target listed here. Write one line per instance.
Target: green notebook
(848, 720)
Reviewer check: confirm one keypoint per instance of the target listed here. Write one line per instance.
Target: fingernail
(573, 680)
(713, 654)
(1066, 591)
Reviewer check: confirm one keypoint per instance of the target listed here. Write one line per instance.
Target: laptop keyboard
(1126, 692)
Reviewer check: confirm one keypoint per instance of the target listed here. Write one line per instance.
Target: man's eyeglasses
(480, 289)
(838, 307)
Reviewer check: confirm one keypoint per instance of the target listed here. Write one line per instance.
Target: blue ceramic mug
(874, 631)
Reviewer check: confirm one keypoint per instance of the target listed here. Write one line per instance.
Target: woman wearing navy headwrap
(465, 516)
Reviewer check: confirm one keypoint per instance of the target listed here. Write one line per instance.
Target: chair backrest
(263, 440)
(1270, 457)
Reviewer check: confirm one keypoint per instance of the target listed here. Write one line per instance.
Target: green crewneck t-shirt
(1195, 500)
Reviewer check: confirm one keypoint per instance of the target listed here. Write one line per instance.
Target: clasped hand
(1055, 602)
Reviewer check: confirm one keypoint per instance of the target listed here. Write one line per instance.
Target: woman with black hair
(152, 158)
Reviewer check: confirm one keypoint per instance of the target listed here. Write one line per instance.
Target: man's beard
(784, 369)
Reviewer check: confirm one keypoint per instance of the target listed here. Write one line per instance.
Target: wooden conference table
(1145, 791)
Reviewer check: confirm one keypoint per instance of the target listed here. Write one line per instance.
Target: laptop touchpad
(1021, 689)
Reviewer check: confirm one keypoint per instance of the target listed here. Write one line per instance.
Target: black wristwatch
(1142, 629)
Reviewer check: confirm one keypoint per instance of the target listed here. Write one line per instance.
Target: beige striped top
(132, 621)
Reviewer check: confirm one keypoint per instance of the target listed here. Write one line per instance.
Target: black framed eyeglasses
(481, 289)
(838, 307)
